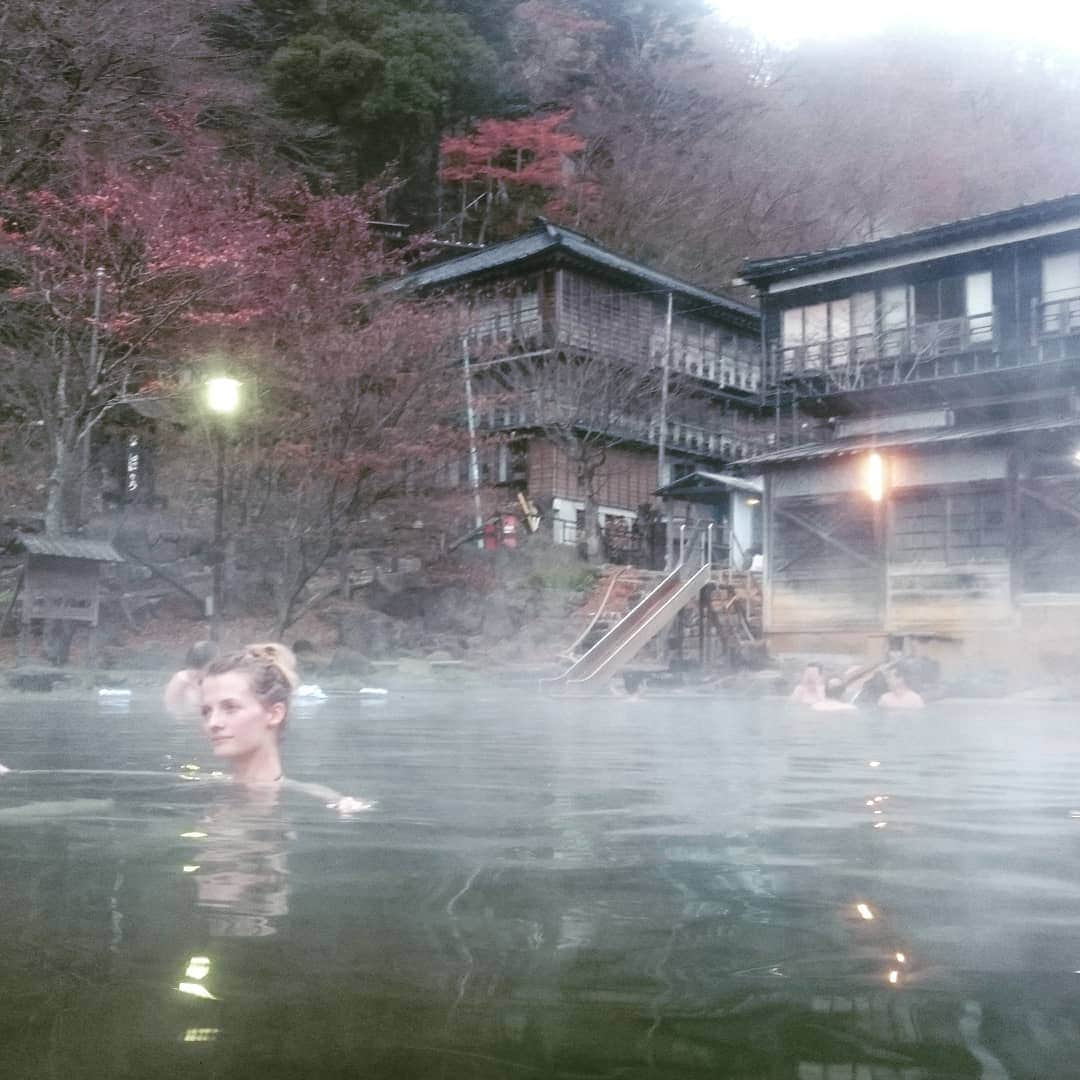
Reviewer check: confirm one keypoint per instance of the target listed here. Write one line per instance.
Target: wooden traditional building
(61, 584)
(925, 476)
(551, 303)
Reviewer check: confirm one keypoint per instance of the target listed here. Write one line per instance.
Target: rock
(498, 621)
(37, 680)
(454, 611)
(346, 661)
(376, 635)
(442, 656)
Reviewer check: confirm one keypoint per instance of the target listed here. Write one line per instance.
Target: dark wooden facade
(554, 296)
(948, 362)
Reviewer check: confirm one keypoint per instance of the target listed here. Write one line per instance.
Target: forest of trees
(684, 142)
(208, 177)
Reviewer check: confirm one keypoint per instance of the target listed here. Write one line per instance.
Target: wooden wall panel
(825, 564)
(946, 599)
(627, 479)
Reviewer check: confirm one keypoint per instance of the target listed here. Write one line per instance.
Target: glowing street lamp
(222, 399)
(875, 477)
(223, 395)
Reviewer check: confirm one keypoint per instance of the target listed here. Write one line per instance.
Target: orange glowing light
(875, 477)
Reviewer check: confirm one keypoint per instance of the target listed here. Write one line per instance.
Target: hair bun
(281, 656)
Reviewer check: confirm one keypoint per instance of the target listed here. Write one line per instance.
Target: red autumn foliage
(205, 266)
(524, 167)
(532, 152)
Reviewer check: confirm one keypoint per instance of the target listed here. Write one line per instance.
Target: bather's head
(245, 699)
(200, 654)
(834, 688)
(895, 679)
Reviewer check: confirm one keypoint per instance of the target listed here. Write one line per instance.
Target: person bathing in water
(245, 710)
(244, 700)
(811, 687)
(182, 695)
(834, 697)
(899, 695)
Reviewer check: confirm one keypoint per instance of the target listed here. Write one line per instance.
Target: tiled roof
(815, 451)
(781, 266)
(547, 237)
(70, 547)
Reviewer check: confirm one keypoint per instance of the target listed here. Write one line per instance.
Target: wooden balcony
(892, 356)
(730, 438)
(1056, 318)
(710, 357)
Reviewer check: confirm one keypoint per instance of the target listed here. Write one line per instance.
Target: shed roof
(701, 482)
(838, 447)
(763, 271)
(546, 238)
(70, 547)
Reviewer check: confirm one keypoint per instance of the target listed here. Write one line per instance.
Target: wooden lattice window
(961, 527)
(919, 528)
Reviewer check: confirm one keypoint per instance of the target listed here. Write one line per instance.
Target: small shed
(61, 579)
(733, 500)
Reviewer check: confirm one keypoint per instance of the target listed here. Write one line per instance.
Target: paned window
(956, 528)
(1061, 293)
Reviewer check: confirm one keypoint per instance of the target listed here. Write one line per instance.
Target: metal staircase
(641, 624)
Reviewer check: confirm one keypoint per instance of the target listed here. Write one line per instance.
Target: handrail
(671, 590)
(676, 597)
(569, 652)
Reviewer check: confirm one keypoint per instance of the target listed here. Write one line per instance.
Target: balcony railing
(844, 359)
(1056, 318)
(710, 356)
(726, 441)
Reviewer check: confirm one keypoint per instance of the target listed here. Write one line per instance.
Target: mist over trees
(700, 145)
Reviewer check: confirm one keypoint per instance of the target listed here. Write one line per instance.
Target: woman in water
(245, 709)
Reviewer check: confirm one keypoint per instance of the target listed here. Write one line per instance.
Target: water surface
(668, 888)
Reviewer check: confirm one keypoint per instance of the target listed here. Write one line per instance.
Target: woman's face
(237, 722)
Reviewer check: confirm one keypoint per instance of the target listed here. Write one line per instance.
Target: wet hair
(270, 668)
(201, 653)
(834, 688)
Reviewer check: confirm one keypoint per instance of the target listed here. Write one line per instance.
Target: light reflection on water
(676, 888)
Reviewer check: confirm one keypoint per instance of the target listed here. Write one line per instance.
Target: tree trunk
(586, 481)
(59, 483)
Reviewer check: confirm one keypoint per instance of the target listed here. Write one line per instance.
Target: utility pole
(661, 453)
(474, 457)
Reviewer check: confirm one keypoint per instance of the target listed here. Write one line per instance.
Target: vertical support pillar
(881, 546)
(218, 581)
(768, 543)
(1013, 527)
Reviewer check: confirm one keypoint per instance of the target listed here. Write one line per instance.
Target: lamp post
(222, 399)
